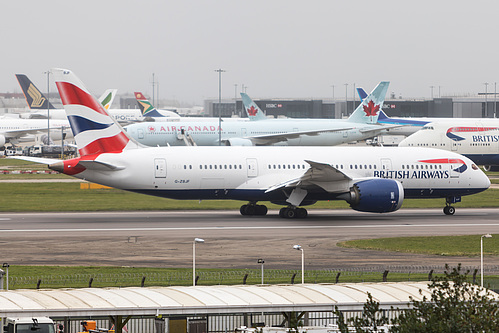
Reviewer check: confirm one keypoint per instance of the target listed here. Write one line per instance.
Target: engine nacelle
(2, 140)
(376, 196)
(238, 142)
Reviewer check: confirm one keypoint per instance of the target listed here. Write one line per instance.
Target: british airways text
(485, 138)
(406, 174)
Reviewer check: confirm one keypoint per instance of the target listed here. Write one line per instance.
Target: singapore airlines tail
(34, 97)
(94, 130)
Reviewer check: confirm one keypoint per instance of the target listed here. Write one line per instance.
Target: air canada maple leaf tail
(368, 111)
(252, 110)
(95, 132)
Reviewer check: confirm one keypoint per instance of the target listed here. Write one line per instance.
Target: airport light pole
(481, 257)
(431, 87)
(346, 99)
(299, 248)
(261, 261)
(48, 106)
(235, 98)
(196, 240)
(219, 71)
(486, 85)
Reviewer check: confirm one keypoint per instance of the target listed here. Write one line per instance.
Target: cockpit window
(474, 167)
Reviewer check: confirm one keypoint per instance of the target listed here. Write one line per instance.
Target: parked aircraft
(410, 125)
(477, 140)
(370, 179)
(288, 132)
(37, 101)
(18, 130)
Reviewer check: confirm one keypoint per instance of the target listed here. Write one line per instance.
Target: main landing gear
(293, 212)
(252, 209)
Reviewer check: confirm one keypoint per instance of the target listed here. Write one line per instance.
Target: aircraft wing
(269, 139)
(22, 132)
(320, 175)
(378, 128)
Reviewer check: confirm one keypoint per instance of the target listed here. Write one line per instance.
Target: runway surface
(164, 239)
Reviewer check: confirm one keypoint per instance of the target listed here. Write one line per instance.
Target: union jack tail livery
(368, 111)
(252, 110)
(94, 130)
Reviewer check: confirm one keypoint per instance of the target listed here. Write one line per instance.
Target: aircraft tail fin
(107, 98)
(146, 108)
(34, 97)
(95, 132)
(362, 93)
(252, 110)
(368, 111)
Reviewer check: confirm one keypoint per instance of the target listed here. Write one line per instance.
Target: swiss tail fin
(95, 132)
(252, 110)
(146, 108)
(107, 98)
(34, 97)
(368, 111)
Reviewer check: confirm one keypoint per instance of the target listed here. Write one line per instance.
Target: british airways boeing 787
(370, 179)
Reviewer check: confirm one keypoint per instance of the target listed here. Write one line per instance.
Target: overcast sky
(276, 48)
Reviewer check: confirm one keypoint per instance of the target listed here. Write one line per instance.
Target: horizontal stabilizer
(40, 160)
(99, 166)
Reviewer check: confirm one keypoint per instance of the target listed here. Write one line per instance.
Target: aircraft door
(386, 164)
(140, 133)
(159, 168)
(243, 132)
(252, 167)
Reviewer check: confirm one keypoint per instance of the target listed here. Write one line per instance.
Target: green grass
(468, 245)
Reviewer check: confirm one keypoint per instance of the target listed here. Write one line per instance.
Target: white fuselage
(477, 140)
(19, 128)
(246, 173)
(253, 132)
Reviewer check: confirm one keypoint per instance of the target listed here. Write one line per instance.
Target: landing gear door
(159, 168)
(252, 167)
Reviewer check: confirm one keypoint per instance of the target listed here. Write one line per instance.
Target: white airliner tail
(252, 110)
(368, 111)
(94, 130)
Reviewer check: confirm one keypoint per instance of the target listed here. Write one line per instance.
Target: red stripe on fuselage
(113, 144)
(444, 161)
(72, 95)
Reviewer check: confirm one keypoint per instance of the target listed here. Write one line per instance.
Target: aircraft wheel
(242, 210)
(251, 210)
(290, 213)
(262, 210)
(449, 210)
(282, 212)
(301, 213)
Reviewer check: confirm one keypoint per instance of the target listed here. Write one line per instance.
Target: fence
(207, 277)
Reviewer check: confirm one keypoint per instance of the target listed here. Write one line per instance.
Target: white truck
(29, 325)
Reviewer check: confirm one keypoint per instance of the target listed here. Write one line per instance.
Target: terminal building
(451, 107)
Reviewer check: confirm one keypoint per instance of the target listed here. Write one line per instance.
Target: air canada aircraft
(360, 125)
(477, 140)
(371, 179)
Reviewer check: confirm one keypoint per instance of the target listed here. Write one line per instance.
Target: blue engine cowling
(376, 196)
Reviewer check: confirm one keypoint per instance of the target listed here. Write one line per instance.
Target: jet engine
(238, 142)
(2, 140)
(376, 196)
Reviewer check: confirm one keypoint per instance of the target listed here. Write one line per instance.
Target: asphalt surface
(164, 239)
